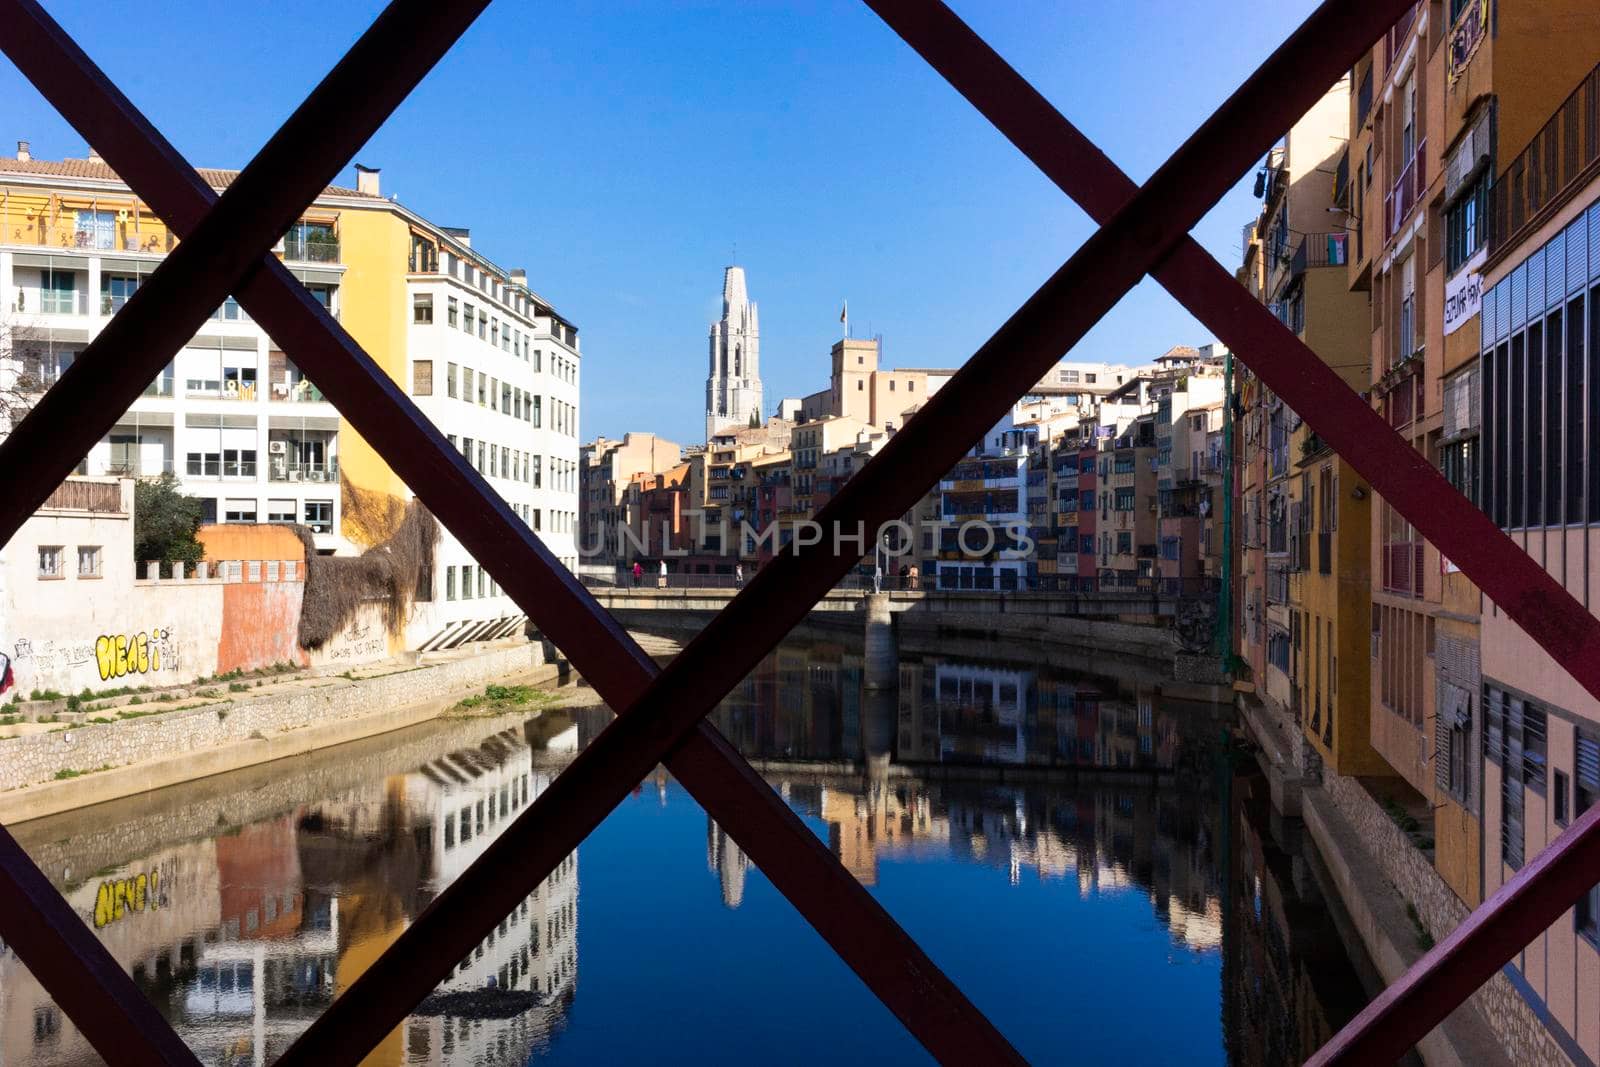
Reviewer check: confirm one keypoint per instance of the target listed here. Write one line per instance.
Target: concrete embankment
(47, 773)
(1395, 900)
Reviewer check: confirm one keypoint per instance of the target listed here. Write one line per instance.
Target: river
(1090, 859)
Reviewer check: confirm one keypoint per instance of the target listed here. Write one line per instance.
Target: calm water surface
(1144, 911)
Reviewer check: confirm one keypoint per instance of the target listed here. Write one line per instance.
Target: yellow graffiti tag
(118, 898)
(122, 654)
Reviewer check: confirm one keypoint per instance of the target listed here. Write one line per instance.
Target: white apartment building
(497, 371)
(485, 357)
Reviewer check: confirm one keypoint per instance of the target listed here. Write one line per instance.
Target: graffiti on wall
(47, 656)
(358, 641)
(145, 652)
(117, 898)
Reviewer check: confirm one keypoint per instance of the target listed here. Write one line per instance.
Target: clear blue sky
(619, 151)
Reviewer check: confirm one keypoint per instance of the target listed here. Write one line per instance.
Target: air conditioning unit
(278, 448)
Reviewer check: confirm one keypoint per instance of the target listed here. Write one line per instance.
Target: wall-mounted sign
(1463, 294)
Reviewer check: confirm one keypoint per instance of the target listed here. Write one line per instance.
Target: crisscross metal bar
(853, 923)
(69, 960)
(1542, 890)
(1106, 267)
(782, 592)
(116, 1019)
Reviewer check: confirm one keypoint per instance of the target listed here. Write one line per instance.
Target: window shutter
(1588, 762)
(1442, 731)
(422, 377)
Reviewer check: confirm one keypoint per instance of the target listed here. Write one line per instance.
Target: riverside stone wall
(41, 757)
(1521, 1034)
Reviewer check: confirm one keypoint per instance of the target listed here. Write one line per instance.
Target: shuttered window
(1588, 791)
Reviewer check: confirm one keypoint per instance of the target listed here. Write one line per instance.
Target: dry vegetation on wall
(338, 586)
(366, 516)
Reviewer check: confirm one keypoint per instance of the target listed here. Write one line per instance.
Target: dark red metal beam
(865, 936)
(1505, 573)
(782, 592)
(292, 169)
(1534, 600)
(41, 927)
(1499, 928)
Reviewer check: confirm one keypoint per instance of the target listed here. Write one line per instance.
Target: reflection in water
(242, 934)
(806, 703)
(243, 939)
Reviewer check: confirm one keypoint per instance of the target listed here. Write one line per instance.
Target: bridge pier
(882, 652)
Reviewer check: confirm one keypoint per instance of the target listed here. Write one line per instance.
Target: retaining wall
(38, 758)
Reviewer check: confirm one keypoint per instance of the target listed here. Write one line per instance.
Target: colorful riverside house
(1539, 479)
(483, 356)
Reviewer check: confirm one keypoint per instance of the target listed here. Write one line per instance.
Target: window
(449, 594)
(483, 390)
(319, 516)
(466, 384)
(57, 292)
(1561, 790)
(238, 511)
(1407, 336)
(323, 294)
(1464, 224)
(1124, 543)
(97, 229)
(282, 511)
(466, 582)
(537, 416)
(483, 582)
(50, 561)
(115, 291)
(537, 478)
(469, 323)
(1124, 499)
(89, 561)
(450, 379)
(254, 570)
(422, 308)
(422, 377)
(452, 312)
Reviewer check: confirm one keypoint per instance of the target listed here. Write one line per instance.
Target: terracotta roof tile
(97, 169)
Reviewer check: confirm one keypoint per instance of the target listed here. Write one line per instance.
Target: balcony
(65, 234)
(1396, 41)
(1320, 250)
(1402, 199)
(286, 468)
(1563, 155)
(1402, 568)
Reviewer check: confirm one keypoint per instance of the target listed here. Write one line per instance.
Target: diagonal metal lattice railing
(661, 716)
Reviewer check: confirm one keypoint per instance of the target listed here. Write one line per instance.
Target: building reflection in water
(244, 939)
(899, 777)
(242, 935)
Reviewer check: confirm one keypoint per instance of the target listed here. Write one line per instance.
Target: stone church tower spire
(733, 384)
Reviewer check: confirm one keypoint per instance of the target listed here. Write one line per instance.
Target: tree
(25, 363)
(164, 522)
(755, 421)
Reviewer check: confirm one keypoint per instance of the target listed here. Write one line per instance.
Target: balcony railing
(282, 469)
(162, 386)
(299, 392)
(302, 250)
(1320, 250)
(1396, 42)
(1402, 567)
(1564, 151)
(1407, 189)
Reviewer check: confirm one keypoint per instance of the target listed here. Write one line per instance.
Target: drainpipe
(1224, 637)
